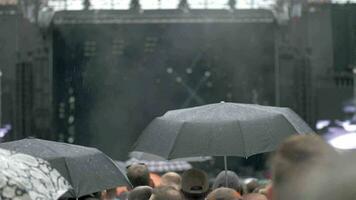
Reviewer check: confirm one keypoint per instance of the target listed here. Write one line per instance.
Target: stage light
(207, 74)
(71, 99)
(169, 70)
(320, 124)
(189, 70)
(71, 119)
(71, 140)
(348, 126)
(179, 79)
(347, 141)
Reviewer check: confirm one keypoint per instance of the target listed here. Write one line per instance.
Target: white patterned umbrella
(12, 189)
(25, 177)
(87, 169)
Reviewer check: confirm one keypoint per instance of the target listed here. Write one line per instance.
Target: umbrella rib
(284, 116)
(115, 165)
(70, 177)
(242, 138)
(292, 125)
(301, 121)
(175, 140)
(281, 114)
(289, 122)
(268, 127)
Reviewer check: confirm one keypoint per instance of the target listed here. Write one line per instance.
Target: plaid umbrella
(140, 155)
(162, 166)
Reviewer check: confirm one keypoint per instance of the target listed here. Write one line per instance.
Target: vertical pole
(0, 98)
(225, 164)
(354, 100)
(276, 69)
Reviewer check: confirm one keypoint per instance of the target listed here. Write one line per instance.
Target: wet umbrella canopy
(25, 177)
(87, 169)
(223, 129)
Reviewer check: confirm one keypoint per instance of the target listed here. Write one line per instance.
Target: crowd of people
(304, 167)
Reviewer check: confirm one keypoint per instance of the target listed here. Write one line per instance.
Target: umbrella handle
(225, 164)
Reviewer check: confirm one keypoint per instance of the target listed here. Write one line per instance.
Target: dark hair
(138, 175)
(140, 193)
(233, 181)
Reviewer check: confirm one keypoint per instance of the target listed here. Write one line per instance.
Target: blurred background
(96, 72)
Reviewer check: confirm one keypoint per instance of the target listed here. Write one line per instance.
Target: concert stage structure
(98, 77)
(124, 68)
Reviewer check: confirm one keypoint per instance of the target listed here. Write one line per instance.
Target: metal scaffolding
(157, 4)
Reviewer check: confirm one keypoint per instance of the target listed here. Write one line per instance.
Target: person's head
(224, 193)
(251, 184)
(171, 179)
(140, 193)
(291, 163)
(166, 193)
(262, 189)
(195, 184)
(138, 175)
(233, 181)
(254, 196)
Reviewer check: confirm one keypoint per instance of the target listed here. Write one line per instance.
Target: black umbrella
(223, 129)
(87, 169)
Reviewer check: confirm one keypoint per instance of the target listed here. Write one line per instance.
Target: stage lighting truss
(157, 4)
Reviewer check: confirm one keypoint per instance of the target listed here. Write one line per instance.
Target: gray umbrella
(87, 169)
(223, 129)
